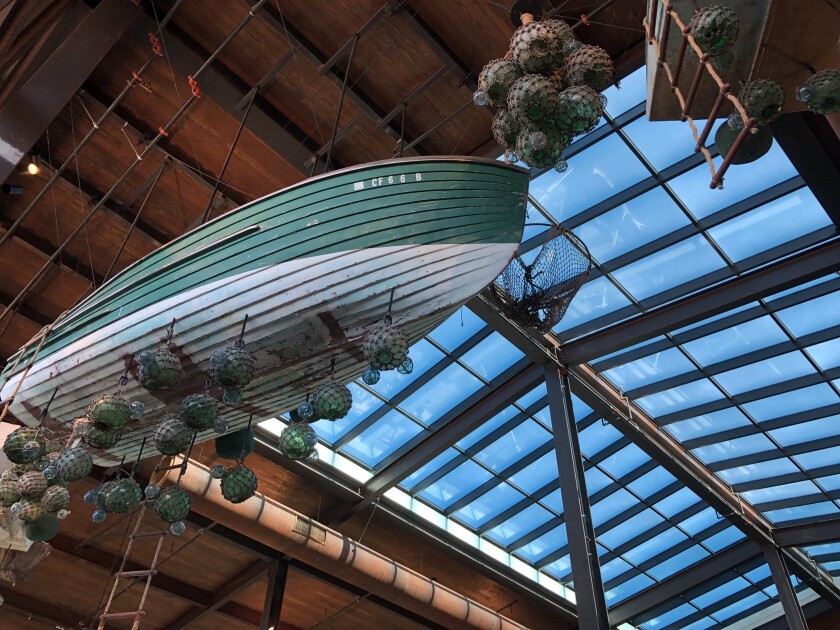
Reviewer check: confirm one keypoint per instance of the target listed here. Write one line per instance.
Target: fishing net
(537, 294)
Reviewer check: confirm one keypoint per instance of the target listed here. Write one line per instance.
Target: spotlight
(31, 166)
(11, 189)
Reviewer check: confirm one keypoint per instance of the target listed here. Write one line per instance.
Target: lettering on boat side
(390, 179)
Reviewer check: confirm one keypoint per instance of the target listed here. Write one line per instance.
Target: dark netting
(537, 295)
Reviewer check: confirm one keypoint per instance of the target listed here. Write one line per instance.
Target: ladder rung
(162, 532)
(131, 574)
(123, 615)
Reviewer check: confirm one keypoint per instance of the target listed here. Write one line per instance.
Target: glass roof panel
(693, 187)
(721, 592)
(681, 397)
(655, 545)
(631, 528)
(807, 431)
(517, 526)
(440, 394)
(536, 474)
(775, 223)
(811, 511)
(596, 298)
(826, 354)
(708, 424)
(490, 504)
(538, 549)
(724, 539)
(628, 589)
(597, 437)
(812, 316)
(674, 504)
(783, 491)
(631, 225)
(738, 447)
(746, 603)
(647, 137)
(457, 328)
(512, 446)
(764, 373)
(492, 356)
(627, 459)
(632, 92)
(670, 267)
(750, 336)
(456, 484)
(821, 458)
(676, 563)
(381, 439)
(424, 471)
(593, 175)
(760, 470)
(618, 502)
(650, 369)
(672, 616)
(487, 427)
(652, 482)
(792, 402)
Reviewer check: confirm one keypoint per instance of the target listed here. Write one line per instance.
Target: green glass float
(55, 498)
(32, 484)
(564, 36)
(505, 129)
(238, 484)
(42, 529)
(198, 412)
(9, 492)
(331, 400)
(232, 368)
(495, 80)
(537, 47)
(385, 346)
(102, 492)
(159, 369)
(172, 436)
(298, 440)
(51, 447)
(714, 28)
(590, 66)
(74, 464)
(821, 93)
(539, 146)
(110, 411)
(578, 109)
(173, 504)
(763, 100)
(236, 444)
(754, 146)
(101, 436)
(532, 99)
(124, 496)
(24, 446)
(30, 510)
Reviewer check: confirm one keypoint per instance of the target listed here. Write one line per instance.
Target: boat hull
(304, 311)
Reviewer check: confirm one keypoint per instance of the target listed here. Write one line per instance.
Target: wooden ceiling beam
(136, 128)
(256, 571)
(288, 31)
(163, 583)
(34, 317)
(35, 608)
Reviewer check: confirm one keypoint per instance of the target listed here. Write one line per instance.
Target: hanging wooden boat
(312, 266)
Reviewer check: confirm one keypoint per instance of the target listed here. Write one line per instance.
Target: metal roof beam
(440, 439)
(635, 424)
(817, 533)
(682, 581)
(750, 286)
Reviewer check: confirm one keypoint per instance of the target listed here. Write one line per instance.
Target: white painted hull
(301, 315)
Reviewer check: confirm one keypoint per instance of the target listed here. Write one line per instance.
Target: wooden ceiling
(426, 52)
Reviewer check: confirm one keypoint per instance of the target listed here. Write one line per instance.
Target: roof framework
(666, 509)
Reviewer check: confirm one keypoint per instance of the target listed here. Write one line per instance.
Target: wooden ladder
(149, 573)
